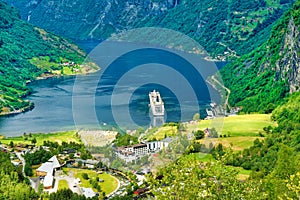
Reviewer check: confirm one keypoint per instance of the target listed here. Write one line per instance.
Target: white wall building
(133, 152)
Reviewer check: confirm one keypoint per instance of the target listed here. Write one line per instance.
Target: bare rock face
(91, 18)
(289, 64)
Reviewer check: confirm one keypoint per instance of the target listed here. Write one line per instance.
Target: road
(33, 182)
(222, 86)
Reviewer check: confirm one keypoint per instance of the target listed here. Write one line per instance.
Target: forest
(20, 45)
(255, 80)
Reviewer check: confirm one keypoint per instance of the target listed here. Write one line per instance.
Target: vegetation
(27, 53)
(68, 194)
(63, 184)
(168, 130)
(60, 137)
(235, 27)
(256, 80)
(12, 183)
(124, 140)
(272, 166)
(41, 155)
(108, 185)
(221, 27)
(199, 134)
(240, 125)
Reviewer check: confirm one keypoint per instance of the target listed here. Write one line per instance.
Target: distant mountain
(261, 79)
(223, 28)
(26, 53)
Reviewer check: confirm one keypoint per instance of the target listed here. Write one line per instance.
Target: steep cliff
(288, 66)
(261, 79)
(89, 19)
(224, 28)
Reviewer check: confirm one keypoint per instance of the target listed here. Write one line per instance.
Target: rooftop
(48, 181)
(46, 167)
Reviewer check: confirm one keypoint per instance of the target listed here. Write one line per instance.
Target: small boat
(157, 107)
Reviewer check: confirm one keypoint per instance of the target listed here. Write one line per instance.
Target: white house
(48, 181)
(46, 170)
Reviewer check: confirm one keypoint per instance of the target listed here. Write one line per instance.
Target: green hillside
(26, 53)
(261, 79)
(224, 28)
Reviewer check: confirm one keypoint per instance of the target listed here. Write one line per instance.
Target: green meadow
(108, 185)
(239, 125)
(67, 136)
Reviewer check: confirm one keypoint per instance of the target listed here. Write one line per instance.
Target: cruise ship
(157, 107)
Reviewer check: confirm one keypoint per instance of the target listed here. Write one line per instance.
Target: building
(48, 167)
(48, 181)
(133, 152)
(47, 170)
(44, 169)
(88, 192)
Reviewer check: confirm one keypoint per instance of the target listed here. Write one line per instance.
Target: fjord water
(53, 97)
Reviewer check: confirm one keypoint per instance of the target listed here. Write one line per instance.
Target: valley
(75, 120)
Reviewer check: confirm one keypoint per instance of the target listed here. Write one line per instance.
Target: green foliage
(124, 140)
(12, 183)
(196, 117)
(189, 178)
(38, 157)
(219, 26)
(34, 141)
(68, 194)
(28, 170)
(213, 133)
(276, 151)
(85, 176)
(199, 134)
(20, 42)
(254, 79)
(274, 163)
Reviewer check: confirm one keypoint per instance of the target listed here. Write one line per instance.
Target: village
(70, 168)
(51, 166)
(106, 163)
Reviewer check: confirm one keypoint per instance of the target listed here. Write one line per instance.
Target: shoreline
(31, 106)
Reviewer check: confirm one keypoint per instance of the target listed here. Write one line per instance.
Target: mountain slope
(223, 28)
(261, 79)
(88, 19)
(26, 53)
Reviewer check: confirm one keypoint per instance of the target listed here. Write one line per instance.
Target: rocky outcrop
(89, 19)
(289, 65)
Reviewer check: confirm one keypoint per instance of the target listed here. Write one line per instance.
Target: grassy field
(240, 125)
(240, 130)
(63, 184)
(162, 132)
(236, 143)
(109, 185)
(67, 136)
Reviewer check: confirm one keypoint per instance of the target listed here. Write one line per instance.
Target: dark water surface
(53, 98)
